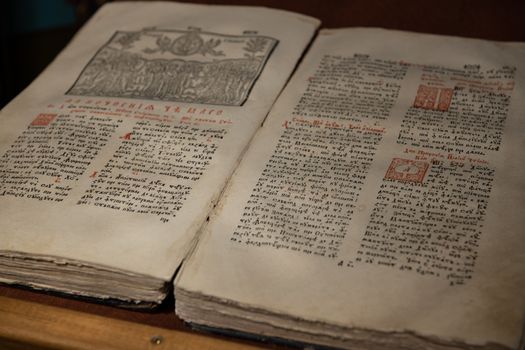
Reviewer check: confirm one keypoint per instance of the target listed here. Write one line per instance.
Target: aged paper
(115, 155)
(383, 193)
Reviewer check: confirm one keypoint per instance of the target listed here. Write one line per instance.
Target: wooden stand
(52, 322)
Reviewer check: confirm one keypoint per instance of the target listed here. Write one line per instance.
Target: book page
(117, 152)
(384, 192)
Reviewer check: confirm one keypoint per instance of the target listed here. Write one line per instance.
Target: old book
(380, 206)
(111, 160)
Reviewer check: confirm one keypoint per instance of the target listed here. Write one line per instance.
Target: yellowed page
(116, 153)
(384, 192)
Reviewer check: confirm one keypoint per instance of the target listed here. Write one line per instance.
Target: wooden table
(37, 320)
(42, 321)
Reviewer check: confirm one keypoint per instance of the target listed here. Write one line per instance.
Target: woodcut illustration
(184, 66)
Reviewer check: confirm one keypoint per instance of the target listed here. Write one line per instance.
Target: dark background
(32, 32)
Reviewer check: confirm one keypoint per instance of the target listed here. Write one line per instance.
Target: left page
(114, 156)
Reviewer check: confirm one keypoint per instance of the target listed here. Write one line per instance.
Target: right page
(385, 192)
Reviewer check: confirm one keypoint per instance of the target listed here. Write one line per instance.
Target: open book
(378, 206)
